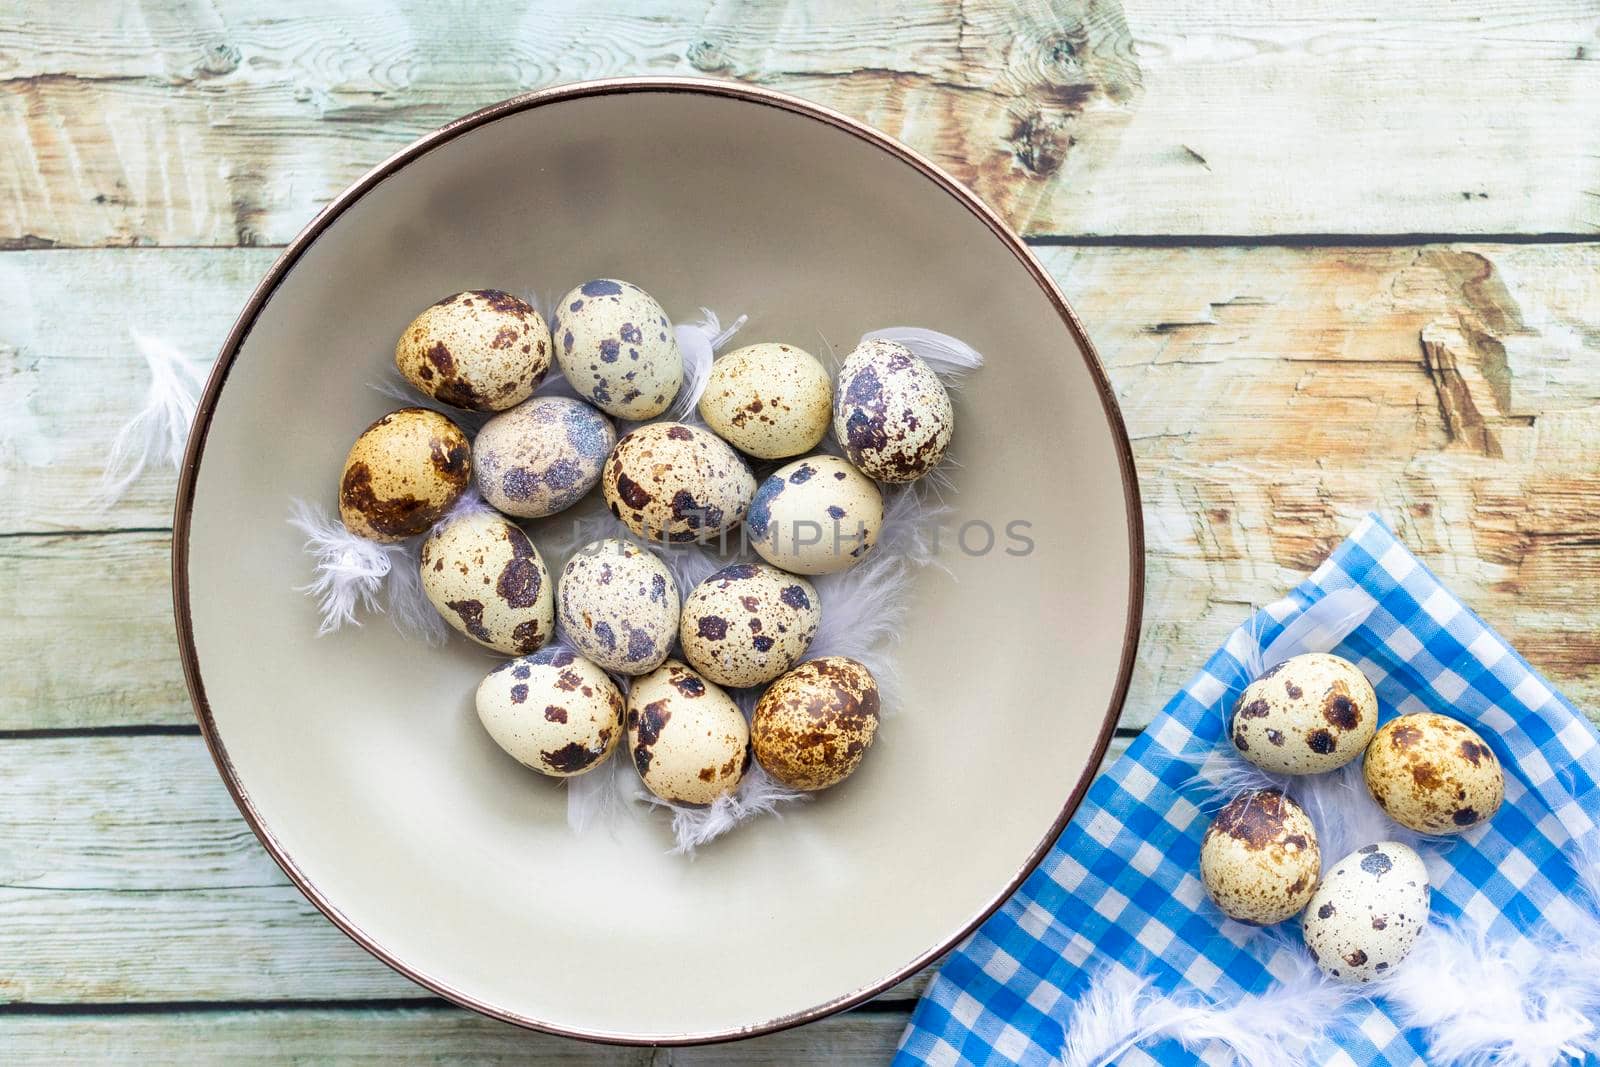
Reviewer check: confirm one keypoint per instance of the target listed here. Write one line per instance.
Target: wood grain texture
(1273, 395)
(408, 1036)
(229, 123)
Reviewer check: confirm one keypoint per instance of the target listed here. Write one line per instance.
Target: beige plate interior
(358, 758)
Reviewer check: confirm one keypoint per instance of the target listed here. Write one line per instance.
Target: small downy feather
(1121, 1010)
(1320, 628)
(160, 431)
(756, 794)
(1347, 818)
(699, 342)
(395, 387)
(1485, 1001)
(950, 357)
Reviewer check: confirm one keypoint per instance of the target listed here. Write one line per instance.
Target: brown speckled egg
(1367, 913)
(1308, 714)
(770, 401)
(1433, 774)
(812, 727)
(553, 711)
(542, 456)
(688, 738)
(402, 474)
(488, 580)
(617, 348)
(818, 515)
(892, 414)
(748, 623)
(618, 605)
(1259, 859)
(667, 481)
(483, 350)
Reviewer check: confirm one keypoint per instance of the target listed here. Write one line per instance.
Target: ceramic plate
(358, 759)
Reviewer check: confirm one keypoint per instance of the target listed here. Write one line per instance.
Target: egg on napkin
(813, 726)
(402, 474)
(668, 481)
(1308, 714)
(483, 350)
(484, 575)
(1259, 858)
(818, 515)
(1433, 774)
(618, 605)
(616, 346)
(892, 414)
(1367, 913)
(688, 738)
(748, 623)
(554, 711)
(770, 401)
(542, 456)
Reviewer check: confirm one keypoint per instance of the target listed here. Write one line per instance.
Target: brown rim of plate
(607, 87)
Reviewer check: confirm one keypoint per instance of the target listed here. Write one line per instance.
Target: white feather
(1346, 816)
(1274, 1028)
(756, 794)
(1483, 1001)
(160, 430)
(950, 357)
(351, 574)
(699, 342)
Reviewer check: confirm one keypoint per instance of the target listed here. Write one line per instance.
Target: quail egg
(402, 474)
(553, 711)
(812, 727)
(617, 348)
(817, 515)
(688, 738)
(1433, 774)
(748, 623)
(770, 401)
(618, 605)
(484, 350)
(892, 414)
(542, 456)
(488, 580)
(1366, 915)
(1308, 714)
(1259, 859)
(668, 481)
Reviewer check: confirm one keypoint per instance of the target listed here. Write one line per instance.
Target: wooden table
(1337, 256)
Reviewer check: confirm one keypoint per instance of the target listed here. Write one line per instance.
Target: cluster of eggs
(1260, 860)
(560, 710)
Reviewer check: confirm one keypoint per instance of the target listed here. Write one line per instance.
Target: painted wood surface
(1169, 157)
(183, 122)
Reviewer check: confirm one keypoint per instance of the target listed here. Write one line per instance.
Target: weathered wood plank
(408, 1036)
(1273, 395)
(225, 123)
(149, 887)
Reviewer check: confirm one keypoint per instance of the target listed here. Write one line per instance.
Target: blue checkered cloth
(1122, 883)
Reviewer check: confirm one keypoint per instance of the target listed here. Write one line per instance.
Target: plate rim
(291, 254)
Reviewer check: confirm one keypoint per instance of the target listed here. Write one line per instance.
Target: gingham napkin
(1121, 884)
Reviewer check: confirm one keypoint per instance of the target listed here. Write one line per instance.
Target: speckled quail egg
(488, 580)
(554, 711)
(1367, 913)
(484, 350)
(770, 401)
(542, 456)
(668, 481)
(1433, 774)
(618, 605)
(1259, 859)
(891, 414)
(817, 515)
(688, 738)
(617, 348)
(402, 474)
(812, 727)
(1308, 714)
(748, 623)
